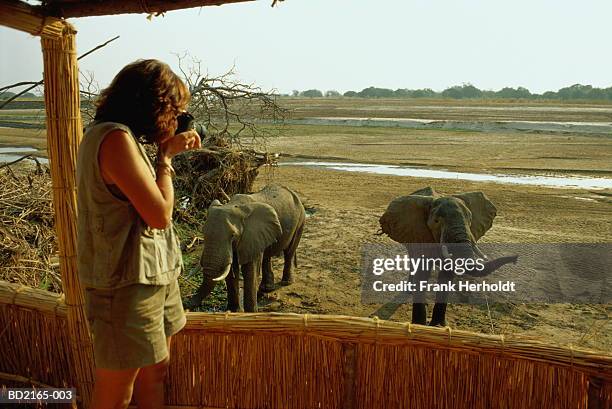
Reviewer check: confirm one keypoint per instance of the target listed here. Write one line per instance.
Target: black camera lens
(186, 122)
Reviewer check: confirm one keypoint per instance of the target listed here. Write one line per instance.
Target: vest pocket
(150, 252)
(160, 251)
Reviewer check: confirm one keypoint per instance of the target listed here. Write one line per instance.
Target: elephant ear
(405, 219)
(483, 212)
(261, 228)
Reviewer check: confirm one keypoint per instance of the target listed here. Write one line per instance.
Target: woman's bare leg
(113, 389)
(149, 385)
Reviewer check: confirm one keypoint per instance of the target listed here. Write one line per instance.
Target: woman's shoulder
(102, 128)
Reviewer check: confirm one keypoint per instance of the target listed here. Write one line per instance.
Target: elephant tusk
(225, 273)
(479, 253)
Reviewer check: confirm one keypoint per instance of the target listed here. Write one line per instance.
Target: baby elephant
(246, 233)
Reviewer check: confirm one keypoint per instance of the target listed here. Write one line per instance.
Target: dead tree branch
(35, 84)
(231, 109)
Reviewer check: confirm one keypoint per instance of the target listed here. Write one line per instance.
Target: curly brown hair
(145, 95)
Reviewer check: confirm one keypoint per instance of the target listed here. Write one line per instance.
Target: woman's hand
(173, 145)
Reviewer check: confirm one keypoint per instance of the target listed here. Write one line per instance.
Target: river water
(12, 153)
(571, 181)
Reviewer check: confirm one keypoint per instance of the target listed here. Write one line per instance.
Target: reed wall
(301, 361)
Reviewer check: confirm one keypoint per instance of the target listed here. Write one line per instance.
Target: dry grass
(28, 243)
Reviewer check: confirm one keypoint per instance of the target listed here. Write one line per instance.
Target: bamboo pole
(23, 17)
(64, 133)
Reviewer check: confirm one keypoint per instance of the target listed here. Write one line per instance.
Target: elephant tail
(295, 241)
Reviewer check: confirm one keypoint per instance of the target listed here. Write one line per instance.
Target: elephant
(244, 234)
(456, 221)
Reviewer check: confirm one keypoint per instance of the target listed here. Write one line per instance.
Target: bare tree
(90, 89)
(233, 110)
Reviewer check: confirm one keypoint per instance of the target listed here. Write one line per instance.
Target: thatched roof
(40, 17)
(35, 15)
(82, 8)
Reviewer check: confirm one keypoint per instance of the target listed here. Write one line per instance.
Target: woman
(128, 253)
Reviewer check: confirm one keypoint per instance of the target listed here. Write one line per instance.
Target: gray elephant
(457, 220)
(244, 234)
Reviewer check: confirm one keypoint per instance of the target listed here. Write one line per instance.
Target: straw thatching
(64, 133)
(308, 361)
(21, 16)
(71, 8)
(83, 8)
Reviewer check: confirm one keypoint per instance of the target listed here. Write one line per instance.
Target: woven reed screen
(300, 361)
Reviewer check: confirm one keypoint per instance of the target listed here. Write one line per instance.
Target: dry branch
(231, 109)
(214, 172)
(36, 84)
(27, 237)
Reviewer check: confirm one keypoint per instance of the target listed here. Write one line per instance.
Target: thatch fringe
(306, 361)
(64, 133)
(109, 7)
(21, 16)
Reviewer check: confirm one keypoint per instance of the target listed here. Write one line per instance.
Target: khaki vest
(115, 247)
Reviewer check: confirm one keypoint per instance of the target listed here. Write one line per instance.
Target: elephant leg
(251, 272)
(290, 254)
(438, 316)
(233, 288)
(419, 313)
(203, 291)
(419, 306)
(267, 275)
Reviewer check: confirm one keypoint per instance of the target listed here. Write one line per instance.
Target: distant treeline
(577, 91)
(9, 94)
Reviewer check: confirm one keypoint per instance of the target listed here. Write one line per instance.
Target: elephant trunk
(215, 262)
(459, 237)
(492, 265)
(470, 250)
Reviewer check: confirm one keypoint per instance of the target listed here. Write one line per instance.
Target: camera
(187, 122)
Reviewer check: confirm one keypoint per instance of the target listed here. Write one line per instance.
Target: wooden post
(64, 133)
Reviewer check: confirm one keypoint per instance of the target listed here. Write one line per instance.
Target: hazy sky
(352, 44)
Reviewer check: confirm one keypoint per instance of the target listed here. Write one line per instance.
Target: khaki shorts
(130, 325)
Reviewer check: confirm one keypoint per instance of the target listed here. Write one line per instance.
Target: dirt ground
(344, 208)
(511, 152)
(451, 109)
